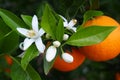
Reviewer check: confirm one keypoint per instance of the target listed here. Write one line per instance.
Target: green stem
(62, 48)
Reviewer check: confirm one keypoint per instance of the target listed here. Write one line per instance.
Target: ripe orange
(117, 76)
(107, 49)
(8, 59)
(61, 65)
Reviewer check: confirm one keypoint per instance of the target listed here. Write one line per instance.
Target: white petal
(67, 57)
(65, 20)
(72, 23)
(74, 29)
(41, 32)
(21, 55)
(21, 46)
(35, 23)
(39, 44)
(51, 53)
(65, 24)
(27, 43)
(23, 31)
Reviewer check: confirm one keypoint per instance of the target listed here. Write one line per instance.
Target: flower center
(32, 34)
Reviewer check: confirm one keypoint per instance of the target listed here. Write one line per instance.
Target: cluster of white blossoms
(52, 50)
(35, 36)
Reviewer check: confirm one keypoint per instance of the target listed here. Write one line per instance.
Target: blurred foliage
(89, 70)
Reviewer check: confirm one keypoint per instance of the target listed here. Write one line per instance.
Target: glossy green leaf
(41, 8)
(4, 29)
(29, 54)
(27, 19)
(89, 36)
(17, 72)
(11, 19)
(49, 21)
(60, 30)
(9, 43)
(32, 73)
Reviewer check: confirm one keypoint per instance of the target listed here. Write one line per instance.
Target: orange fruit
(117, 76)
(61, 65)
(107, 49)
(8, 59)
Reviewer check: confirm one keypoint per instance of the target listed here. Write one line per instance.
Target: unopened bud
(47, 36)
(65, 37)
(51, 53)
(74, 21)
(56, 43)
(67, 57)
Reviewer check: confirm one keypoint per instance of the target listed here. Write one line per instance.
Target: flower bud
(73, 22)
(67, 57)
(51, 53)
(56, 43)
(65, 37)
(47, 36)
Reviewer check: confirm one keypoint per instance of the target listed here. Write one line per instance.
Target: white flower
(69, 25)
(33, 35)
(67, 57)
(65, 37)
(52, 50)
(51, 53)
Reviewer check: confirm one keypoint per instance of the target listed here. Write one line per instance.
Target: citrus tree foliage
(52, 23)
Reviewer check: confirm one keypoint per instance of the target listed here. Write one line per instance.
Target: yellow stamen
(74, 21)
(31, 33)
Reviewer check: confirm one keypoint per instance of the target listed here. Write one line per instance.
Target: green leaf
(90, 14)
(27, 19)
(49, 22)
(48, 65)
(9, 43)
(17, 72)
(60, 30)
(33, 74)
(41, 8)
(11, 19)
(90, 35)
(4, 29)
(29, 54)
